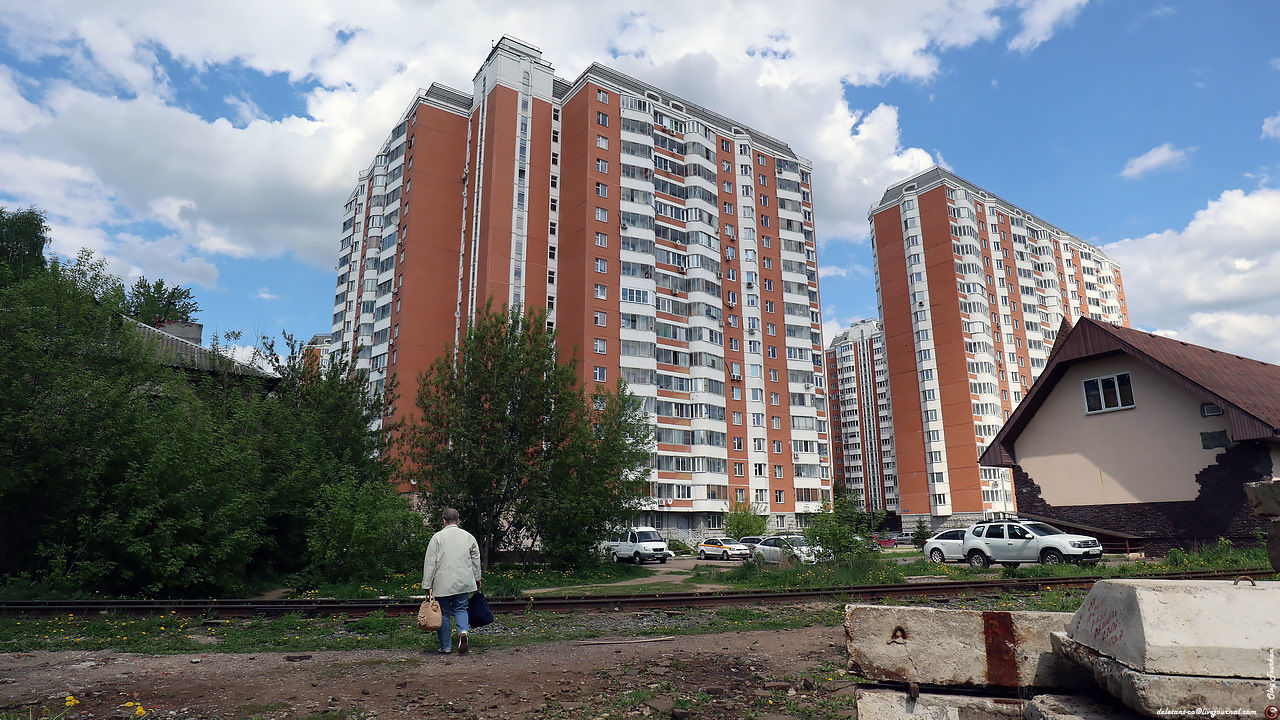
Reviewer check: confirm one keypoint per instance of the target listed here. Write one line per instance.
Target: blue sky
(214, 144)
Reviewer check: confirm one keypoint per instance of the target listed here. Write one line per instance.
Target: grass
(162, 635)
(500, 581)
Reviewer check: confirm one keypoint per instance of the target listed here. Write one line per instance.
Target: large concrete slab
(1161, 695)
(1182, 627)
(958, 647)
(1264, 497)
(894, 705)
(1074, 707)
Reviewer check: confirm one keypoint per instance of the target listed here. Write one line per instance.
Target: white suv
(1012, 542)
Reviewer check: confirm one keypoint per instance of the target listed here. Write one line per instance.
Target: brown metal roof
(1247, 390)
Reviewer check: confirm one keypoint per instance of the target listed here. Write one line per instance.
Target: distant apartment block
(863, 461)
(972, 291)
(670, 245)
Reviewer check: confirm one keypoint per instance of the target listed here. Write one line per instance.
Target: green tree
(742, 520)
(24, 234)
(596, 478)
(506, 435)
(846, 530)
(920, 535)
(158, 304)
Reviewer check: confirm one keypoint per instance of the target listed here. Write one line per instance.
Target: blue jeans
(455, 607)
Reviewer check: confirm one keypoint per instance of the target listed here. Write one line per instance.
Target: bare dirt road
(731, 675)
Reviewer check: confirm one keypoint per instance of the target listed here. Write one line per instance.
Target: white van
(637, 545)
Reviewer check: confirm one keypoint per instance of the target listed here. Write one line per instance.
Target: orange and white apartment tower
(671, 246)
(863, 461)
(972, 291)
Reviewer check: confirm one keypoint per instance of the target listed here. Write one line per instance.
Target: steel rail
(223, 608)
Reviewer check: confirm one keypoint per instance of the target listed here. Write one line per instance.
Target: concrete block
(958, 647)
(1182, 627)
(895, 705)
(1162, 695)
(1073, 707)
(1264, 497)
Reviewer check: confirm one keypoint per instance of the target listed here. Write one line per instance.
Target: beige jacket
(452, 563)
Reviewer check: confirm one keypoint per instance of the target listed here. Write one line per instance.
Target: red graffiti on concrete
(1103, 624)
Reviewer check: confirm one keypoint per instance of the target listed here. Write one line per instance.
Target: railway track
(227, 608)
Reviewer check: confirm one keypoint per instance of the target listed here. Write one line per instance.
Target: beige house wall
(1149, 453)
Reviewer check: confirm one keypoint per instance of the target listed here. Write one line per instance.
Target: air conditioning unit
(731, 304)
(625, 226)
(808, 386)
(735, 376)
(752, 331)
(795, 456)
(750, 285)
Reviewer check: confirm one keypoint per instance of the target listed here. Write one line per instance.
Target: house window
(779, 496)
(599, 319)
(602, 215)
(600, 346)
(598, 374)
(602, 142)
(1107, 393)
(602, 240)
(602, 265)
(602, 190)
(602, 96)
(602, 119)
(602, 293)
(602, 166)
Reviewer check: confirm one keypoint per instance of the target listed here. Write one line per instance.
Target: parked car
(776, 549)
(1012, 542)
(946, 546)
(724, 548)
(751, 541)
(887, 540)
(638, 545)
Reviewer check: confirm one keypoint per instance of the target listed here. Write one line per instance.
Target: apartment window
(602, 292)
(739, 495)
(602, 214)
(744, 149)
(1107, 393)
(737, 443)
(551, 302)
(602, 265)
(602, 142)
(739, 469)
(779, 496)
(551, 228)
(599, 319)
(602, 96)
(555, 135)
(555, 181)
(737, 417)
(551, 277)
(602, 190)
(940, 499)
(601, 345)
(602, 240)
(777, 447)
(602, 119)
(726, 145)
(602, 165)
(598, 374)
(555, 160)
(777, 472)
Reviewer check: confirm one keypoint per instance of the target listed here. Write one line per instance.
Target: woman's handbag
(429, 616)
(478, 612)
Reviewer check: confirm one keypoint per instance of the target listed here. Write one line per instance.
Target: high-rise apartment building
(972, 291)
(863, 462)
(671, 246)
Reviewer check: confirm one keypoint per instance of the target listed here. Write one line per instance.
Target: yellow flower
(140, 711)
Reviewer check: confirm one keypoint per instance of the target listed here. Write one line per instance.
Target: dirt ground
(730, 675)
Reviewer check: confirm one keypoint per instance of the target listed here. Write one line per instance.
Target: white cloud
(1275, 63)
(265, 294)
(1163, 156)
(1215, 282)
(832, 271)
(1271, 127)
(244, 186)
(1041, 19)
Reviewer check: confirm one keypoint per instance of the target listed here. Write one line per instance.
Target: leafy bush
(679, 547)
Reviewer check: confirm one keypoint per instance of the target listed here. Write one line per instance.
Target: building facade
(972, 290)
(671, 246)
(863, 462)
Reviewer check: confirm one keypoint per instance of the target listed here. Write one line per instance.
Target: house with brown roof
(1141, 438)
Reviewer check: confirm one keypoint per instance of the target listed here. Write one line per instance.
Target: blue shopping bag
(478, 612)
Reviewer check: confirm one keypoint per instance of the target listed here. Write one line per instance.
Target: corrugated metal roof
(1247, 390)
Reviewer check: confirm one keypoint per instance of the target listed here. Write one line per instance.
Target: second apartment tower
(972, 292)
(671, 246)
